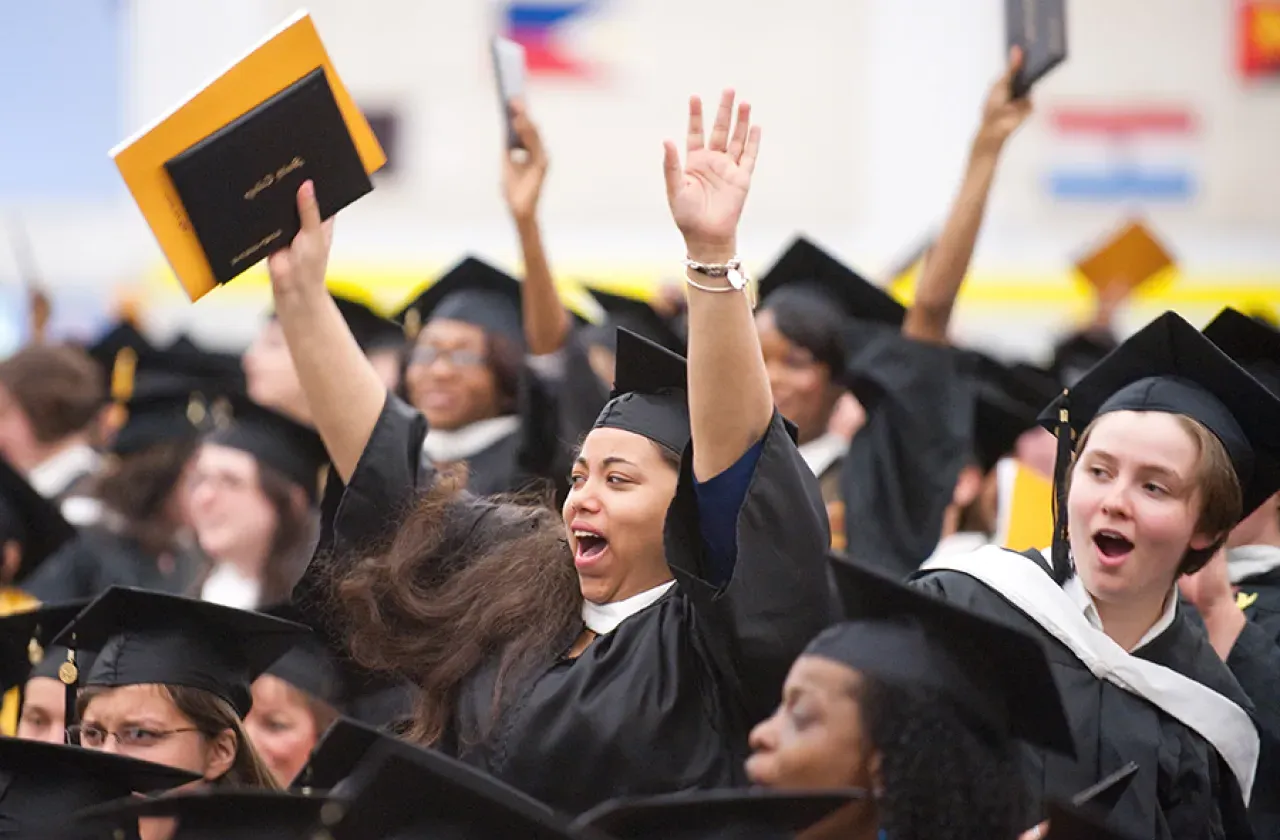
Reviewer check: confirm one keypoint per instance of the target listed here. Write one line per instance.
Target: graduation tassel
(68, 673)
(1061, 550)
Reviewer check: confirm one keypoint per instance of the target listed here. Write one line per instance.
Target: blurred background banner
(868, 109)
(1260, 39)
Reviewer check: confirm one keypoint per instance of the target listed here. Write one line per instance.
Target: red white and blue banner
(1123, 153)
(549, 31)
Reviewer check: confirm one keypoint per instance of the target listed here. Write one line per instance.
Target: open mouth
(590, 545)
(1111, 544)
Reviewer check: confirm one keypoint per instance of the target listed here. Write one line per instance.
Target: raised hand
(523, 171)
(707, 195)
(1002, 114)
(301, 267)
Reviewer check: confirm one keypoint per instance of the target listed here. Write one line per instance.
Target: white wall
(867, 107)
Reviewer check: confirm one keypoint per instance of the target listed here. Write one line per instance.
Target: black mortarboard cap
(401, 791)
(638, 317)
(185, 365)
(225, 813)
(716, 814)
(806, 268)
(41, 784)
(1085, 816)
(29, 519)
(25, 639)
(309, 665)
(1169, 366)
(291, 449)
(335, 758)
(372, 331)
(1253, 344)
(122, 337)
(997, 676)
(475, 292)
(1000, 414)
(140, 636)
(1075, 354)
(161, 414)
(649, 393)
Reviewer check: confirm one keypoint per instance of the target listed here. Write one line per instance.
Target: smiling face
(1134, 505)
(801, 385)
(619, 493)
(449, 378)
(232, 517)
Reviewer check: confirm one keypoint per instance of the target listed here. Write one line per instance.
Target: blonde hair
(1221, 496)
(211, 715)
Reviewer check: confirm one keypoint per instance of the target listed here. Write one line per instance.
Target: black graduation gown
(900, 473)
(1255, 662)
(98, 559)
(665, 702)
(1183, 788)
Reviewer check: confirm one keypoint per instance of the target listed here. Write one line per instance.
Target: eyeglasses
(427, 355)
(95, 737)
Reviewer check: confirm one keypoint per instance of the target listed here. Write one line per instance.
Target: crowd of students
(484, 569)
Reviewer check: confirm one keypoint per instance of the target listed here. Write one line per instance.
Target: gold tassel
(123, 372)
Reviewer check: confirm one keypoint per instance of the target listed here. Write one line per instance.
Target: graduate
(170, 681)
(1253, 549)
(918, 702)
(141, 537)
(382, 339)
(807, 301)
(1252, 566)
(1173, 444)
(254, 496)
(30, 664)
(902, 472)
(295, 701)
(1006, 403)
(578, 642)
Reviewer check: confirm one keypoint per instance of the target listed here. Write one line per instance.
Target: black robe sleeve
(778, 597)
(900, 473)
(1255, 662)
(1183, 788)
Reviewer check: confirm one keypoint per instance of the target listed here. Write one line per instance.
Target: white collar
(228, 587)
(1029, 590)
(443, 446)
(821, 452)
(1252, 560)
(55, 474)
(603, 619)
(1084, 601)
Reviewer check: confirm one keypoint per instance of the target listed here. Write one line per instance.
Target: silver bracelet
(731, 271)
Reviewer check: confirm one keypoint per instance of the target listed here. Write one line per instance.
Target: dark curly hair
(464, 584)
(943, 778)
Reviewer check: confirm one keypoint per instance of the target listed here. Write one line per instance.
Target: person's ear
(221, 755)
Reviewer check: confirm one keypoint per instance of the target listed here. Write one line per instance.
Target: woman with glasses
(170, 681)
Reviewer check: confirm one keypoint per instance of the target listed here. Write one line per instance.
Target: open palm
(707, 194)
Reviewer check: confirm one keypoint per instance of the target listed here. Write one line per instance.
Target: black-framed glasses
(95, 737)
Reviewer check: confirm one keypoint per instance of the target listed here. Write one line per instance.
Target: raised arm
(344, 391)
(730, 404)
(948, 261)
(546, 323)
